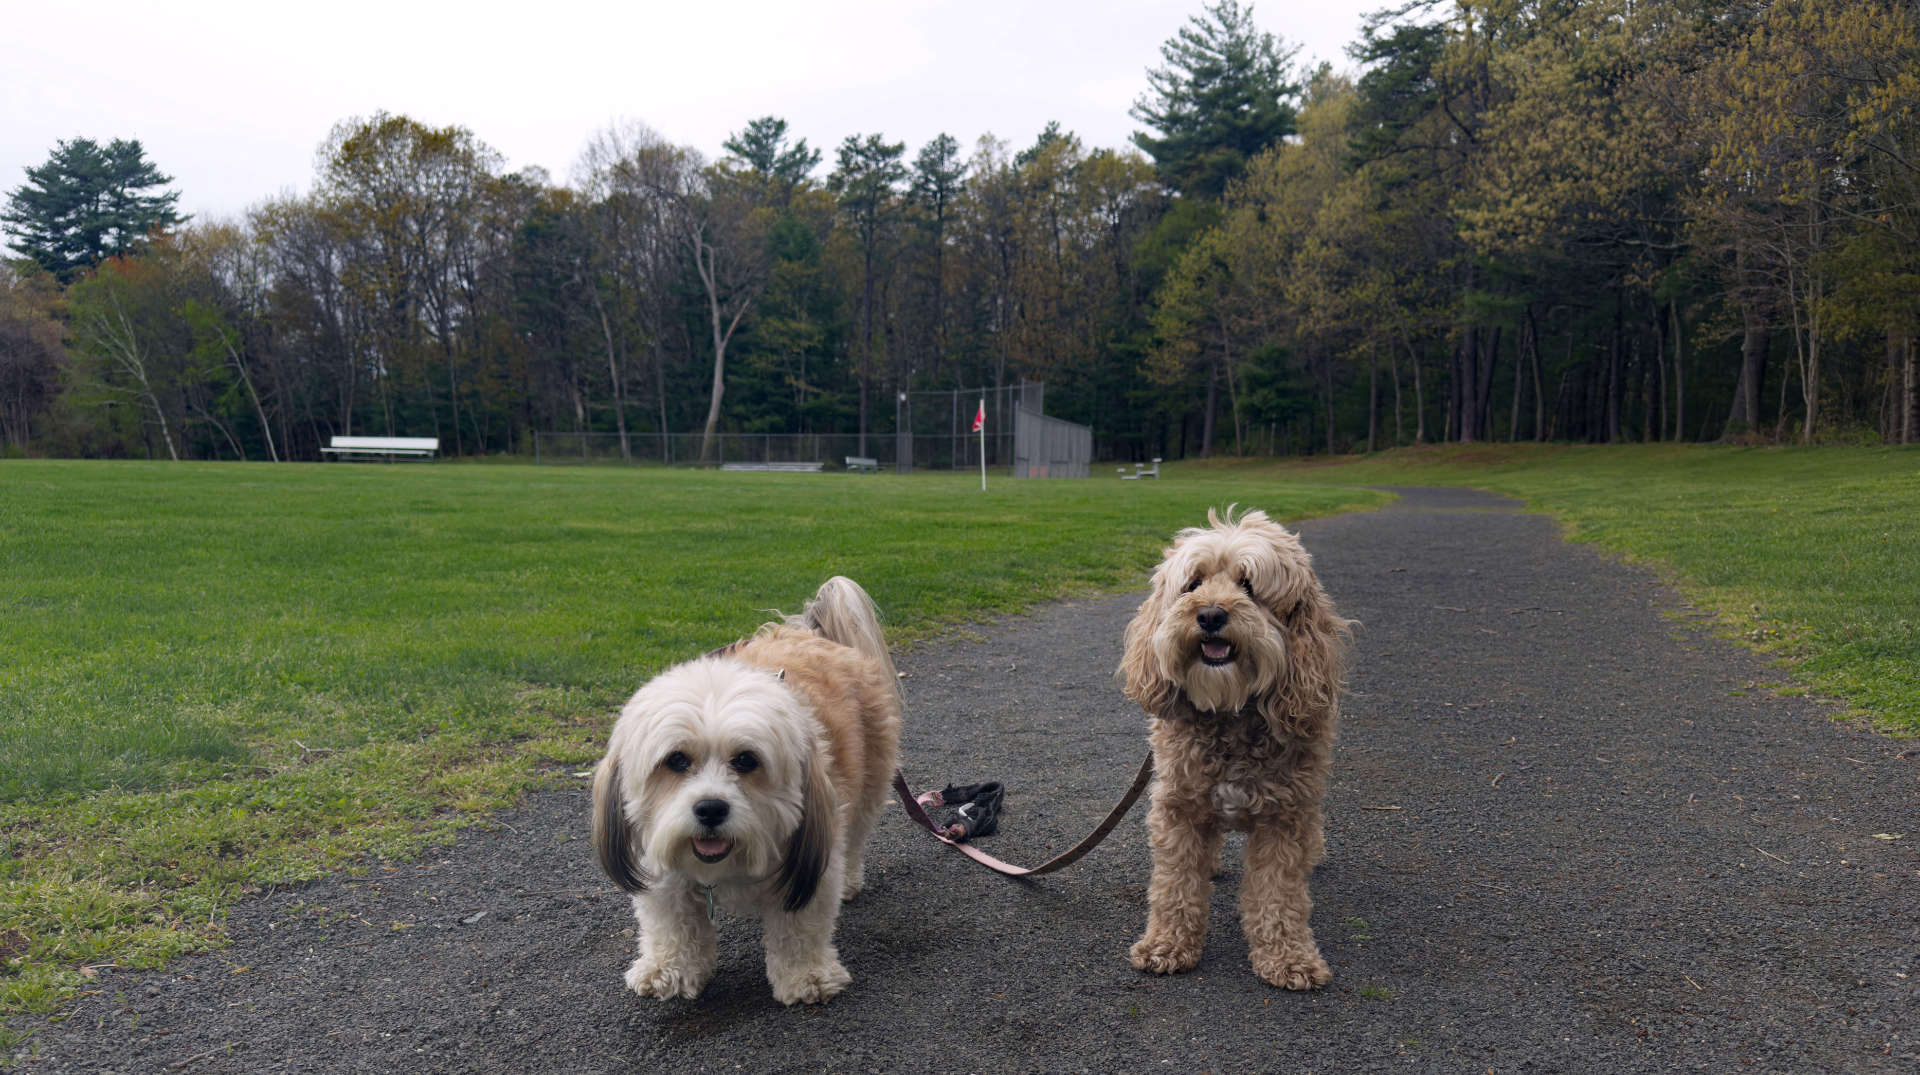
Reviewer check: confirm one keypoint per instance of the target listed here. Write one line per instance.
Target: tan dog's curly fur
(1236, 656)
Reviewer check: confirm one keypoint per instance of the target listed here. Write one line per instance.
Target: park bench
(1141, 470)
(791, 468)
(390, 447)
(863, 465)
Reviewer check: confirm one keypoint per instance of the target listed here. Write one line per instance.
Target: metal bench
(863, 465)
(792, 468)
(390, 447)
(1141, 470)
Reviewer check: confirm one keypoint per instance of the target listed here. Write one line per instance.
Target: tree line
(1577, 221)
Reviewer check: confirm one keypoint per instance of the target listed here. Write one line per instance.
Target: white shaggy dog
(749, 779)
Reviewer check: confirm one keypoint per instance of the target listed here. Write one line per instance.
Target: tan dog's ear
(1307, 700)
(612, 837)
(1140, 673)
(1296, 585)
(812, 843)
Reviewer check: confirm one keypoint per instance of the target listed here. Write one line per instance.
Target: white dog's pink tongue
(710, 845)
(1216, 650)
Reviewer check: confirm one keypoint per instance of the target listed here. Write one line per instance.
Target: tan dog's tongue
(710, 845)
(1215, 650)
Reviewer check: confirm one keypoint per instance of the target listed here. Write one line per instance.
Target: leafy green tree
(88, 202)
(1797, 112)
(31, 353)
(1226, 92)
(131, 348)
(1193, 325)
(408, 196)
(792, 377)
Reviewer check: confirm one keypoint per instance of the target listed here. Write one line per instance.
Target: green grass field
(216, 677)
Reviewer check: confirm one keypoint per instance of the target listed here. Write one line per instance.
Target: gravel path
(1567, 832)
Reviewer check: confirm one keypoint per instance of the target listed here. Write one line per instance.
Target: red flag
(979, 417)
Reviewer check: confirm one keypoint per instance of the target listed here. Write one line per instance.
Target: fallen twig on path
(178, 1064)
(1769, 854)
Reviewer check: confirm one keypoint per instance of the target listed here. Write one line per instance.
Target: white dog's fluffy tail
(840, 611)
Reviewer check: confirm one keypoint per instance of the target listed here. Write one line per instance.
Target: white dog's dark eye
(1192, 586)
(744, 762)
(678, 762)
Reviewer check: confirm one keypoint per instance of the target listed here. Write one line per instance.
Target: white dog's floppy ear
(612, 837)
(812, 843)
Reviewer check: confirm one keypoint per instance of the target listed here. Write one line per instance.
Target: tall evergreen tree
(88, 202)
(867, 183)
(937, 183)
(763, 148)
(1227, 92)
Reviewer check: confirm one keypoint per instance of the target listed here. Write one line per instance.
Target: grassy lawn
(1811, 555)
(215, 677)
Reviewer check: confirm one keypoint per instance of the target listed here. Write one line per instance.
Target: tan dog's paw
(812, 985)
(1157, 955)
(1292, 969)
(650, 979)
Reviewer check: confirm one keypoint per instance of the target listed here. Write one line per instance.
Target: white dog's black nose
(711, 812)
(1211, 618)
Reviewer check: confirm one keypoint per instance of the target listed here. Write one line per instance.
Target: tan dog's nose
(1211, 619)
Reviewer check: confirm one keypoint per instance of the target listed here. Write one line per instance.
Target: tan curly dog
(1236, 656)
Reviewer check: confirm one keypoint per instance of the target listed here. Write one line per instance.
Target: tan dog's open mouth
(711, 849)
(1216, 651)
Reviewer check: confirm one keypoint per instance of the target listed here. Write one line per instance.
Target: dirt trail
(1566, 833)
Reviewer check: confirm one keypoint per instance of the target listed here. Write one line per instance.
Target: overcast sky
(234, 99)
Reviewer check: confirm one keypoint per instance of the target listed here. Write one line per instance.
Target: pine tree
(867, 184)
(87, 203)
(763, 148)
(1226, 93)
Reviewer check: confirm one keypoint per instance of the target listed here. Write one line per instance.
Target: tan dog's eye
(1192, 586)
(677, 762)
(744, 762)
(1246, 587)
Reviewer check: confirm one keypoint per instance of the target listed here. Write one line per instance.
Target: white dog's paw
(665, 981)
(810, 985)
(856, 880)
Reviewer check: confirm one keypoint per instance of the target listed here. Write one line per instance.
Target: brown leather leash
(1060, 861)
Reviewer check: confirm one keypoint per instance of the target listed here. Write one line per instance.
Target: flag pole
(981, 425)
